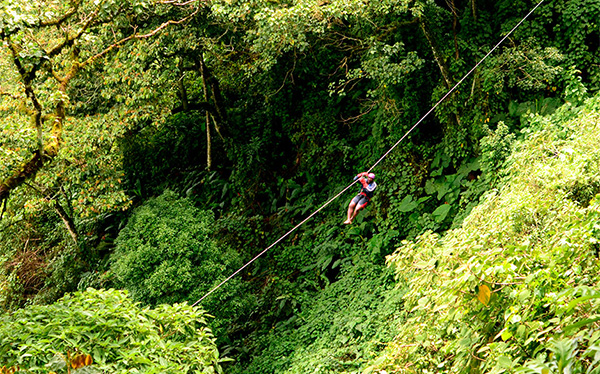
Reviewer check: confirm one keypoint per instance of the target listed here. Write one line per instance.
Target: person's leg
(351, 209)
(350, 212)
(355, 213)
(361, 204)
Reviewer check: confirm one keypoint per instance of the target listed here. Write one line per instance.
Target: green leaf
(506, 335)
(407, 204)
(580, 300)
(440, 213)
(581, 323)
(505, 362)
(524, 295)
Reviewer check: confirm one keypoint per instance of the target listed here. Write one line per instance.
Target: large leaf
(441, 212)
(407, 204)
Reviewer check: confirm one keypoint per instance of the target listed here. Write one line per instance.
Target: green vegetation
(516, 286)
(117, 333)
(155, 146)
(164, 254)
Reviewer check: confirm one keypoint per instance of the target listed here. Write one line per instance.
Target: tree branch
(3, 208)
(137, 36)
(28, 169)
(69, 40)
(437, 56)
(439, 59)
(202, 105)
(28, 77)
(12, 96)
(65, 17)
(67, 220)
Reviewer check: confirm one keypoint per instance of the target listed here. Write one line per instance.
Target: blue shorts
(360, 200)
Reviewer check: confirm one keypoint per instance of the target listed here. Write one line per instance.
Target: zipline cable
(376, 163)
(272, 245)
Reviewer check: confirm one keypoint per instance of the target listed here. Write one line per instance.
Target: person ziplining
(361, 200)
(353, 209)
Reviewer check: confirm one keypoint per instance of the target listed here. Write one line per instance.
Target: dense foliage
(156, 145)
(164, 254)
(120, 336)
(516, 286)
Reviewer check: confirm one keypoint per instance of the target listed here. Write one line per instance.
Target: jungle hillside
(149, 149)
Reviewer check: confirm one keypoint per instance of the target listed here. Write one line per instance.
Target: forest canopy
(155, 146)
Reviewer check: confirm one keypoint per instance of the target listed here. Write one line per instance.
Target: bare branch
(360, 115)
(134, 37)
(289, 73)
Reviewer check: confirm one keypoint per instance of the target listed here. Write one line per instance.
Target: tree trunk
(208, 139)
(219, 114)
(454, 24)
(439, 59)
(44, 152)
(67, 220)
(29, 169)
(437, 56)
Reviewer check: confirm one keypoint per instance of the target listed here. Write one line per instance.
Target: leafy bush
(117, 334)
(165, 253)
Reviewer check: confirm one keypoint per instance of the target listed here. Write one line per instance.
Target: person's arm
(363, 179)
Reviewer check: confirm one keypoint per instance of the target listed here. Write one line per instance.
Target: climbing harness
(375, 164)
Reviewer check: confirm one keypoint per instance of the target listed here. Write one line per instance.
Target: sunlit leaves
(390, 64)
(67, 361)
(106, 332)
(527, 66)
(91, 166)
(9, 370)
(528, 241)
(81, 360)
(276, 29)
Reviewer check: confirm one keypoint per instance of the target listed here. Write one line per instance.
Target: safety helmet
(371, 175)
